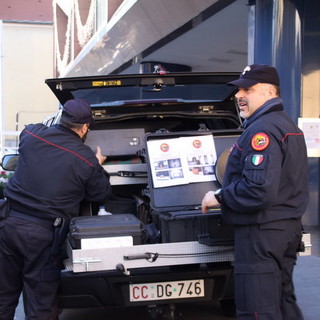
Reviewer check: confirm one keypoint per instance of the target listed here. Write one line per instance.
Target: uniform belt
(42, 222)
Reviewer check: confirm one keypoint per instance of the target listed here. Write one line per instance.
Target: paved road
(307, 283)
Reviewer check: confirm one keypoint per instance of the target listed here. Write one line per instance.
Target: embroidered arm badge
(260, 141)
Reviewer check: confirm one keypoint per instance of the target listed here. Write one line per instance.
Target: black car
(166, 138)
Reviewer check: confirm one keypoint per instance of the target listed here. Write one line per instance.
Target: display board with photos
(183, 160)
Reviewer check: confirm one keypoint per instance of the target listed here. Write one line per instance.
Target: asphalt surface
(307, 286)
(307, 280)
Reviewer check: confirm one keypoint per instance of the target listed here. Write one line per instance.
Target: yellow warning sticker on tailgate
(106, 83)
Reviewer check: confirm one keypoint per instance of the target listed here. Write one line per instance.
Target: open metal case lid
(114, 96)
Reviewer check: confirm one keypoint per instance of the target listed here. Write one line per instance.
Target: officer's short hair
(278, 91)
(65, 121)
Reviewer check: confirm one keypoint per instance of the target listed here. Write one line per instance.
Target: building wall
(26, 50)
(310, 93)
(27, 60)
(311, 60)
(26, 10)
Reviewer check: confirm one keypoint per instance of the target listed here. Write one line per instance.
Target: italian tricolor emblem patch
(257, 159)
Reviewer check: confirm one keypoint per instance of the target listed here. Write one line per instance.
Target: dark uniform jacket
(266, 177)
(55, 172)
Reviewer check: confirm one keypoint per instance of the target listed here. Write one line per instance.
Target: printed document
(182, 160)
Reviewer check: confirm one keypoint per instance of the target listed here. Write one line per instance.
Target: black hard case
(179, 207)
(194, 226)
(105, 226)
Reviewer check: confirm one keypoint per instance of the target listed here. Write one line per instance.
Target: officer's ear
(85, 128)
(272, 90)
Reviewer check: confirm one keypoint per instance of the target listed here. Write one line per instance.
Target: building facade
(26, 50)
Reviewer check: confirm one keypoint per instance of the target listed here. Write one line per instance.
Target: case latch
(206, 109)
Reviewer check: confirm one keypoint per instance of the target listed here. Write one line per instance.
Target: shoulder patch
(257, 159)
(260, 141)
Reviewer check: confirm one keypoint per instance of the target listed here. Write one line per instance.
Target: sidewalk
(307, 286)
(307, 280)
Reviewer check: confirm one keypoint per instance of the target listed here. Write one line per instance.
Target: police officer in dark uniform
(264, 195)
(55, 172)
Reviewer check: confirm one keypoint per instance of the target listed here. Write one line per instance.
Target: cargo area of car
(124, 143)
(170, 252)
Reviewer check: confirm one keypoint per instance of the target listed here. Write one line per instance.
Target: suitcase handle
(206, 240)
(151, 257)
(129, 174)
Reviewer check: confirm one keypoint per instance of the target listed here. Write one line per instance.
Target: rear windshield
(104, 96)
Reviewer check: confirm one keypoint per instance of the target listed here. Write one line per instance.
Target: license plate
(166, 290)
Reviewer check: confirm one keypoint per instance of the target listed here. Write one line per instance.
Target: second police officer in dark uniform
(55, 172)
(264, 194)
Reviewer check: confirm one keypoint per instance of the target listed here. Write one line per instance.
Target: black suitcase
(105, 226)
(183, 226)
(178, 207)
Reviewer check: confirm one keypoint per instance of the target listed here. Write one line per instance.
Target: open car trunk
(166, 138)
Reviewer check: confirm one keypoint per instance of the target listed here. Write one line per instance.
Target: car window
(179, 93)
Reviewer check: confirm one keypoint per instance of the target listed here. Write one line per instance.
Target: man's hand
(209, 200)
(101, 158)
